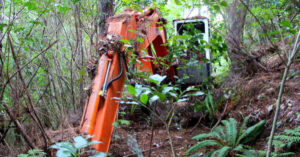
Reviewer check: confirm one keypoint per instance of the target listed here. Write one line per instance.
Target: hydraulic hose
(117, 77)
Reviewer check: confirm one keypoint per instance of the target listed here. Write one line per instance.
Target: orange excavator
(102, 106)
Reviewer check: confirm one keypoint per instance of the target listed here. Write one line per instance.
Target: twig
(19, 126)
(196, 125)
(169, 135)
(151, 139)
(34, 112)
(220, 118)
(291, 56)
(25, 65)
(5, 132)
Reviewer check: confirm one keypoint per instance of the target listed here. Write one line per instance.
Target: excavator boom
(102, 106)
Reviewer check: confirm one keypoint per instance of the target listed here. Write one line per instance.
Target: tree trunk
(236, 19)
(1, 34)
(106, 10)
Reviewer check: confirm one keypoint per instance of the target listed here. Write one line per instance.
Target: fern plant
(228, 140)
(286, 139)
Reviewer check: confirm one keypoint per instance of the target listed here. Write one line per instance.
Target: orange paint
(100, 111)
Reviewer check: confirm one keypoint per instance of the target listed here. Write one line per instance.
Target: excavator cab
(197, 71)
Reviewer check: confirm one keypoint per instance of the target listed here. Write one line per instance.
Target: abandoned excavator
(101, 108)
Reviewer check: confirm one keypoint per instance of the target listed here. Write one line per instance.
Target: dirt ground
(254, 97)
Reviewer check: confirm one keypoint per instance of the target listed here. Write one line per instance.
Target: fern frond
(243, 125)
(278, 143)
(295, 131)
(286, 154)
(209, 154)
(250, 153)
(223, 151)
(238, 148)
(201, 136)
(231, 130)
(233, 134)
(202, 144)
(251, 133)
(195, 155)
(288, 138)
(220, 132)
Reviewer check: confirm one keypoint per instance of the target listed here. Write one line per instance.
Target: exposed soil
(253, 97)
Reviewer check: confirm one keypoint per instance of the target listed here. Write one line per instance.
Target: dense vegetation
(46, 46)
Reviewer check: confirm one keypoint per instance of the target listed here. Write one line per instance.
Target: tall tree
(236, 18)
(106, 9)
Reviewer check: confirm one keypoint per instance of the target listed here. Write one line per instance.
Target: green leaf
(161, 96)
(199, 93)
(223, 151)
(82, 72)
(100, 154)
(177, 2)
(224, 4)
(216, 7)
(116, 124)
(63, 153)
(232, 128)
(202, 144)
(125, 41)
(157, 79)
(252, 132)
(153, 99)
(131, 89)
(243, 125)
(93, 142)
(132, 30)
(2, 25)
(144, 98)
(285, 23)
(64, 146)
(124, 122)
(201, 136)
(140, 39)
(80, 142)
(30, 5)
(126, 1)
(167, 89)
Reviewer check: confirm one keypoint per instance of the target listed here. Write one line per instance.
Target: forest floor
(254, 97)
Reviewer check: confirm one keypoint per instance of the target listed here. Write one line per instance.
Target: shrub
(75, 149)
(228, 139)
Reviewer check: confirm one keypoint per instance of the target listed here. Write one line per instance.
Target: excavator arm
(102, 106)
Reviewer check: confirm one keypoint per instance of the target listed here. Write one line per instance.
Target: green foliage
(228, 139)
(286, 139)
(33, 153)
(75, 149)
(149, 93)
